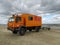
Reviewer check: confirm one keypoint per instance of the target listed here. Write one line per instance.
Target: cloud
(48, 9)
(51, 6)
(3, 19)
(55, 19)
(47, 6)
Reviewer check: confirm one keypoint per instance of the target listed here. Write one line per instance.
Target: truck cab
(14, 22)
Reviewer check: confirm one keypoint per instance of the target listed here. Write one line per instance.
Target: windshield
(11, 19)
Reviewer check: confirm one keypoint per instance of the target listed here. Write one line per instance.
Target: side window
(18, 19)
(30, 18)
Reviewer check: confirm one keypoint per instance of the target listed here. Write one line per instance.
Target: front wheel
(22, 31)
(15, 32)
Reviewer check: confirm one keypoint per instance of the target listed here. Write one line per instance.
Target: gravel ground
(44, 37)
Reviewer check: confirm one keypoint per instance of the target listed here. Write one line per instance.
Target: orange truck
(21, 23)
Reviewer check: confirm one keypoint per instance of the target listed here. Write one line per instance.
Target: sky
(48, 9)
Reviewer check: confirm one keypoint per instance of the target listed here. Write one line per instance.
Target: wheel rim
(22, 30)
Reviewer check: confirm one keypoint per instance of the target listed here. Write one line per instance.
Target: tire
(22, 31)
(30, 30)
(37, 29)
(48, 29)
(14, 32)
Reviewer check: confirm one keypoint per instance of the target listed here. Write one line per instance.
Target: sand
(44, 37)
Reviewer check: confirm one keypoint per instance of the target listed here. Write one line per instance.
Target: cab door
(19, 21)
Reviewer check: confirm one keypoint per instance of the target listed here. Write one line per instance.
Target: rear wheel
(22, 31)
(30, 30)
(37, 29)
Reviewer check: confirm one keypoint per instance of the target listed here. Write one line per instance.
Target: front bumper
(12, 29)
